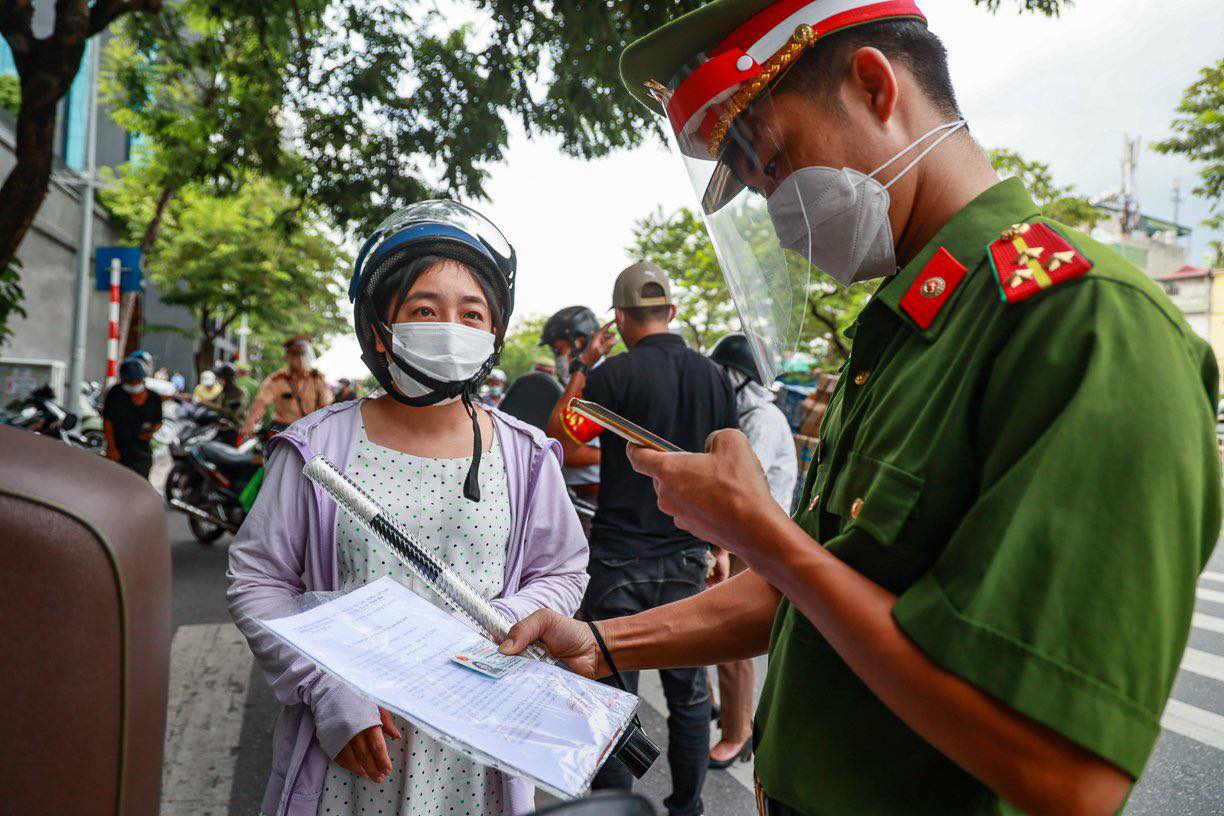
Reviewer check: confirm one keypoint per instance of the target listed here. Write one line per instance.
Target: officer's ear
(378, 343)
(872, 82)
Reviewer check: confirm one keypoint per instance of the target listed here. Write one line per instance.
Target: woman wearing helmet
(433, 290)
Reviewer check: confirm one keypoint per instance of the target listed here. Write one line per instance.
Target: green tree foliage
(678, 242)
(522, 346)
(1056, 201)
(251, 252)
(1199, 136)
(10, 298)
(10, 94)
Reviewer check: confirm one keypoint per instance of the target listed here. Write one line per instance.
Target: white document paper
(539, 721)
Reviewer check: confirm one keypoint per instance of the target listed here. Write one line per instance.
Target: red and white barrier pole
(112, 347)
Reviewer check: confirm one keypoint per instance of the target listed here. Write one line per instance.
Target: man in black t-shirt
(131, 415)
(639, 558)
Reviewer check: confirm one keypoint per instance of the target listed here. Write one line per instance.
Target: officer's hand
(599, 345)
(719, 496)
(566, 639)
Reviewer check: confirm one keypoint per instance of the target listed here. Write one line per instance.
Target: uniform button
(861, 377)
(815, 501)
(856, 507)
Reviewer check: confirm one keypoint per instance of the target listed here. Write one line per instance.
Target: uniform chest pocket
(874, 496)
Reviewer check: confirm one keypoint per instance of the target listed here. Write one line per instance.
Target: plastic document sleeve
(539, 721)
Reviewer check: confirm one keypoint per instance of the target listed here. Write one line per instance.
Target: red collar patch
(1028, 258)
(932, 288)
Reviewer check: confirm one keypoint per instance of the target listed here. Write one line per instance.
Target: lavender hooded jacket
(287, 547)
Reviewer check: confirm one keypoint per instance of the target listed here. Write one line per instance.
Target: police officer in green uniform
(982, 601)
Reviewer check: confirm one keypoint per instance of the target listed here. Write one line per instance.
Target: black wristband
(607, 655)
(578, 367)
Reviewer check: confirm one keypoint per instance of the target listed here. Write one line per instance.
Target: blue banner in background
(129, 260)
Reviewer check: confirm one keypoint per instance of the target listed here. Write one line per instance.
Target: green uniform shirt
(1039, 483)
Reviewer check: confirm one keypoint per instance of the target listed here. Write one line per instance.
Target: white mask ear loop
(950, 127)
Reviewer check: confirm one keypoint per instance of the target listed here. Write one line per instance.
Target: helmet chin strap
(439, 390)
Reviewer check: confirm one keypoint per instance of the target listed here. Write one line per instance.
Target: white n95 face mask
(450, 352)
(838, 219)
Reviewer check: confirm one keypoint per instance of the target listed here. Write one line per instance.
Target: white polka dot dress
(426, 498)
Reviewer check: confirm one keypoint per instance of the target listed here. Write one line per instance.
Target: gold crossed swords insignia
(1028, 255)
(1028, 259)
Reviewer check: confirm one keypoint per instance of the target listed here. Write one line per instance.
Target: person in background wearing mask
(494, 389)
(983, 599)
(566, 334)
(639, 558)
(208, 389)
(130, 417)
(345, 390)
(769, 434)
(433, 291)
(293, 391)
(178, 381)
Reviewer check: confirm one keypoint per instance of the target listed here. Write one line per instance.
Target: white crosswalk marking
(210, 667)
(1208, 623)
(1214, 576)
(1190, 721)
(1210, 595)
(1203, 663)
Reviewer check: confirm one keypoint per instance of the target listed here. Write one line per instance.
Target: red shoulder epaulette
(1028, 258)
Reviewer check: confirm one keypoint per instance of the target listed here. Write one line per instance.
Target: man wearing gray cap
(639, 558)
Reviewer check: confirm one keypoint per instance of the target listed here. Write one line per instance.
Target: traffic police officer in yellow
(982, 602)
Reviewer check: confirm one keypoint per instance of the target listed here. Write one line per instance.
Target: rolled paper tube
(458, 593)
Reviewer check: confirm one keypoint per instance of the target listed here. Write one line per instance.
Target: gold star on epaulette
(1014, 231)
(1060, 259)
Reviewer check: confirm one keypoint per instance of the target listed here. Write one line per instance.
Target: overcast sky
(1061, 91)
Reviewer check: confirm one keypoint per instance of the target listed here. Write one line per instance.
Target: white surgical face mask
(450, 352)
(561, 366)
(133, 388)
(838, 219)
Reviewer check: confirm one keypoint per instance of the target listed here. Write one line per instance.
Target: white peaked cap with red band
(703, 100)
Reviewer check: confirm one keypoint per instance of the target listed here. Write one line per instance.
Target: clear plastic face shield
(769, 283)
(780, 239)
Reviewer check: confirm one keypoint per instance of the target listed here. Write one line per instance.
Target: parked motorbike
(39, 412)
(206, 483)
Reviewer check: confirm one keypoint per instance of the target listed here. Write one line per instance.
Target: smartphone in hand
(617, 424)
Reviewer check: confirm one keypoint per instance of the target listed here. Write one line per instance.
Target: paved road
(221, 713)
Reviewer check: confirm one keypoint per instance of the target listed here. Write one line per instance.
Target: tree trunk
(835, 342)
(155, 223)
(26, 186)
(204, 350)
(45, 67)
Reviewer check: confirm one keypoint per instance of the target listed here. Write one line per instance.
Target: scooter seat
(226, 457)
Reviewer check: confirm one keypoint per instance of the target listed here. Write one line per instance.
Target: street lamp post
(85, 251)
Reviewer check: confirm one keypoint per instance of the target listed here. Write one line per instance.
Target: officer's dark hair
(391, 292)
(821, 68)
(642, 315)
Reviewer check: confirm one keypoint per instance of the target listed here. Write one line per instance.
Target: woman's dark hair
(391, 291)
